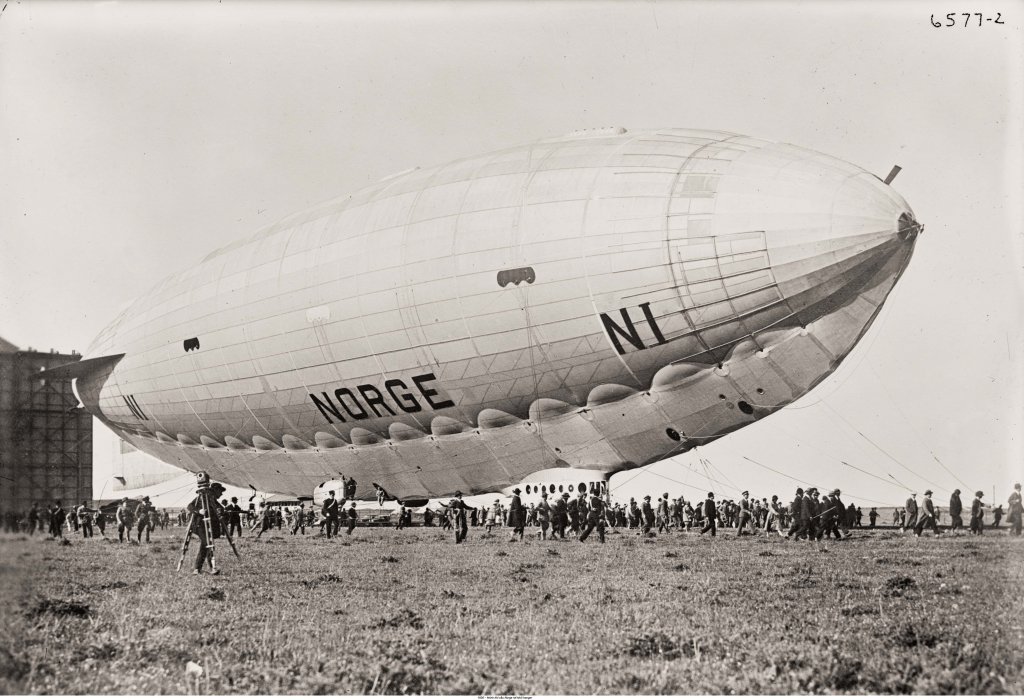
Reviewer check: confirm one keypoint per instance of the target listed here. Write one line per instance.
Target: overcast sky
(137, 137)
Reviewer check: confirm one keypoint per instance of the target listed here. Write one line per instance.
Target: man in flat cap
(745, 515)
(646, 516)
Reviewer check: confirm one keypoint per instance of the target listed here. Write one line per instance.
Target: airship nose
(823, 223)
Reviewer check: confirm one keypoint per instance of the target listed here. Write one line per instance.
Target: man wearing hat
(516, 515)
(458, 508)
(796, 511)
(595, 517)
(197, 509)
(143, 514)
(745, 515)
(663, 518)
(351, 517)
(646, 516)
(977, 514)
(1015, 512)
(634, 517)
(927, 515)
(330, 511)
(812, 512)
(710, 513)
(84, 515)
(911, 507)
(844, 518)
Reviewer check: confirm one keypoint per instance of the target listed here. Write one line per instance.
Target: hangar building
(45, 440)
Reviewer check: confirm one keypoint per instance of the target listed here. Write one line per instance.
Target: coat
(710, 511)
(516, 512)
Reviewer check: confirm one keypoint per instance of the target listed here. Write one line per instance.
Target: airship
(553, 312)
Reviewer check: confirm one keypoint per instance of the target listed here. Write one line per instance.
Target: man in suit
(911, 508)
(927, 515)
(516, 516)
(710, 515)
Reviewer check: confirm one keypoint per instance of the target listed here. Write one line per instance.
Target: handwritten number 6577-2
(951, 19)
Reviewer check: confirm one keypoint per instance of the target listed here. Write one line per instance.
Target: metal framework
(45, 440)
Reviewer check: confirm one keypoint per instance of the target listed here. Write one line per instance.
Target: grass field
(409, 612)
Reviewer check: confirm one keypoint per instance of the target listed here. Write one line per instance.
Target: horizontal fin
(82, 368)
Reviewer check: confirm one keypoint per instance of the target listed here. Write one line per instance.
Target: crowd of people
(809, 515)
(57, 521)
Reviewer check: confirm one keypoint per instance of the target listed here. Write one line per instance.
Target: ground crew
(560, 516)
(646, 516)
(330, 513)
(544, 515)
(745, 515)
(57, 519)
(873, 517)
(911, 509)
(516, 516)
(595, 518)
(662, 517)
(234, 517)
(581, 509)
(928, 516)
(977, 515)
(710, 515)
(956, 508)
(799, 528)
(351, 517)
(774, 517)
(1015, 511)
(123, 518)
(492, 515)
(85, 519)
(265, 519)
(142, 515)
(299, 520)
(459, 508)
